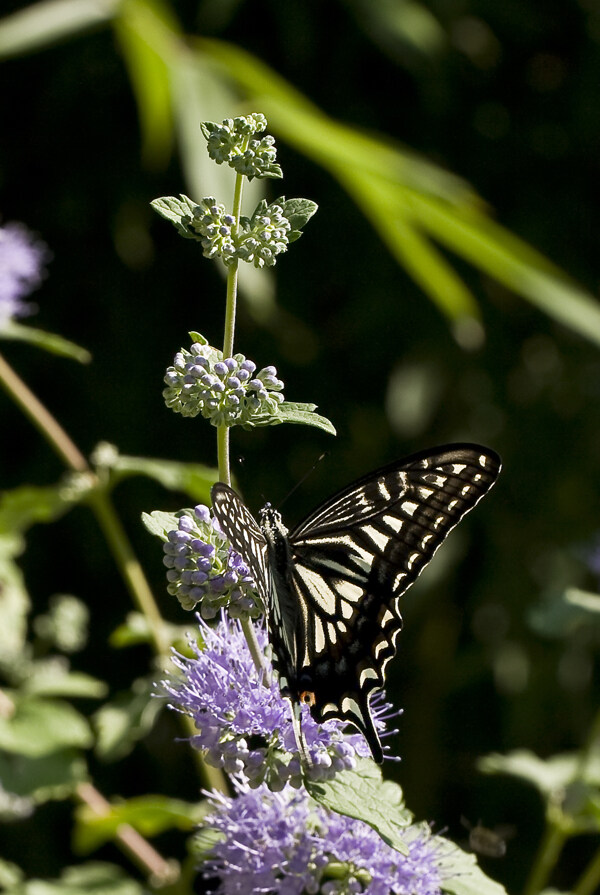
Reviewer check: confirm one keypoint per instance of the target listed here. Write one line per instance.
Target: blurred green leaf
(192, 479)
(125, 720)
(47, 341)
(44, 777)
(42, 24)
(23, 507)
(149, 815)
(10, 874)
(135, 630)
(52, 679)
(409, 201)
(559, 615)
(547, 775)
(93, 878)
(14, 603)
(38, 726)
(140, 26)
(362, 793)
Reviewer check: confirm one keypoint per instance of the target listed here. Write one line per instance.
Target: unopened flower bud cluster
(233, 142)
(258, 241)
(203, 569)
(227, 391)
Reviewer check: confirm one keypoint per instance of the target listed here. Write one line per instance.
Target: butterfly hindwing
(332, 586)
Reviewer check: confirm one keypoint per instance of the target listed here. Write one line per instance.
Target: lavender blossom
(203, 569)
(22, 259)
(244, 724)
(287, 843)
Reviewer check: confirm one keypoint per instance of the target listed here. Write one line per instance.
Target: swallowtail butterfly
(331, 586)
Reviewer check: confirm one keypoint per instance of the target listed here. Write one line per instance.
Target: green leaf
(42, 778)
(298, 211)
(38, 727)
(363, 794)
(150, 815)
(160, 523)
(93, 878)
(135, 630)
(43, 24)
(180, 212)
(460, 872)
(193, 479)
(128, 718)
(47, 341)
(293, 412)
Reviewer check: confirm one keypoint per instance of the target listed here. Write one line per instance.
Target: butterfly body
(331, 586)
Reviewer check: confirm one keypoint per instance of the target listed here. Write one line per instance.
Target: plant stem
(44, 422)
(547, 856)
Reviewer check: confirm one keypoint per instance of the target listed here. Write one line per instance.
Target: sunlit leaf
(93, 878)
(193, 479)
(547, 775)
(363, 794)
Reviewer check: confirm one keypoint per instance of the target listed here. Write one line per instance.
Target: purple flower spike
(22, 260)
(284, 843)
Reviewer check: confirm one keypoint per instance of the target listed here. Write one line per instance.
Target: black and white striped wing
(244, 534)
(356, 554)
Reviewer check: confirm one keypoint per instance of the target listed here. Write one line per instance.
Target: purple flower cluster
(244, 724)
(232, 142)
(227, 391)
(204, 569)
(22, 259)
(286, 843)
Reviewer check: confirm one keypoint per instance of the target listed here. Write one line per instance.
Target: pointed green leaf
(292, 412)
(47, 341)
(298, 211)
(180, 212)
(160, 523)
(363, 794)
(46, 680)
(24, 506)
(547, 775)
(460, 873)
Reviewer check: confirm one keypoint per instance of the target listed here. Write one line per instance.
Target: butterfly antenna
(304, 478)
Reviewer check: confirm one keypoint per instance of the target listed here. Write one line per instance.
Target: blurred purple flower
(223, 692)
(22, 260)
(287, 843)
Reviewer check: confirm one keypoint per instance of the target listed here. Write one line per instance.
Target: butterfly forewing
(243, 533)
(355, 556)
(333, 599)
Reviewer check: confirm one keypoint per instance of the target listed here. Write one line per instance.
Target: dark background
(510, 102)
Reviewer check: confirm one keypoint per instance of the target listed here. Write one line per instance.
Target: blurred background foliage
(447, 143)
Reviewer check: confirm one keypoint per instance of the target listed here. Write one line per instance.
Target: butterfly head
(270, 521)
